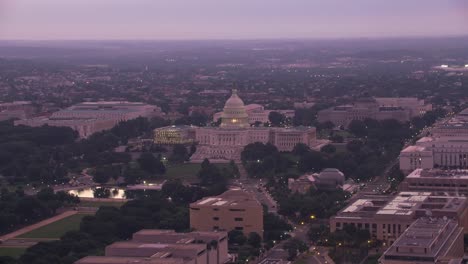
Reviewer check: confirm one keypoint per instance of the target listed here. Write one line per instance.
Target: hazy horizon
(230, 20)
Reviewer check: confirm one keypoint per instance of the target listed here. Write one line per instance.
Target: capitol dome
(234, 112)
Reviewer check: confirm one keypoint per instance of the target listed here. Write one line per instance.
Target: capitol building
(226, 142)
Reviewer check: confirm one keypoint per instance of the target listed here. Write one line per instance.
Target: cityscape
(228, 132)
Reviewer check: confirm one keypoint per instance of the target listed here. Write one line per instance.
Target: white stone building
(447, 147)
(257, 113)
(91, 117)
(227, 141)
(401, 109)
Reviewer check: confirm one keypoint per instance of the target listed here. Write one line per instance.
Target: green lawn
(186, 171)
(11, 252)
(56, 229)
(99, 204)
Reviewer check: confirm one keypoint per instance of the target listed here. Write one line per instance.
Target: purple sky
(230, 19)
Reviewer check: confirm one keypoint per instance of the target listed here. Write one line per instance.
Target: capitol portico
(227, 141)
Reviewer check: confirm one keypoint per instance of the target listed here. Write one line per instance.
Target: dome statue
(234, 114)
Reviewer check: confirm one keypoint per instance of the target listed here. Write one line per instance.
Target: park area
(56, 229)
(187, 171)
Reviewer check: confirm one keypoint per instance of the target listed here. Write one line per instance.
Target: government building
(90, 117)
(446, 147)
(401, 109)
(387, 217)
(155, 246)
(226, 142)
(232, 210)
(427, 240)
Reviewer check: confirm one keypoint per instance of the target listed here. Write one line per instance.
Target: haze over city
(242, 19)
(233, 131)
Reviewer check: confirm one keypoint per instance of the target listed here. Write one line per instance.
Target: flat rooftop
(127, 260)
(428, 237)
(233, 197)
(195, 234)
(403, 204)
(438, 173)
(161, 246)
(413, 149)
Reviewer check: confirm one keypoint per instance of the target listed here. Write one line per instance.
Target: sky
(230, 19)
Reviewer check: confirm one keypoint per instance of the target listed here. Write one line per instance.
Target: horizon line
(247, 39)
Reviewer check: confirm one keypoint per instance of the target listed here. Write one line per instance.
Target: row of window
(237, 219)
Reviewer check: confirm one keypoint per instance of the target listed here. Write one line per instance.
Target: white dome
(234, 101)
(234, 112)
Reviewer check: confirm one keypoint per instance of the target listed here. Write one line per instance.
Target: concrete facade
(232, 210)
(90, 117)
(427, 240)
(387, 217)
(227, 141)
(401, 109)
(152, 246)
(437, 181)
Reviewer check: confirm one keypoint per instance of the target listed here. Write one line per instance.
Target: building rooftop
(231, 197)
(413, 149)
(404, 204)
(128, 260)
(438, 173)
(426, 237)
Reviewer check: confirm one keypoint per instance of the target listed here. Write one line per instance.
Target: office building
(151, 246)
(427, 240)
(90, 117)
(387, 217)
(232, 210)
(401, 109)
(437, 181)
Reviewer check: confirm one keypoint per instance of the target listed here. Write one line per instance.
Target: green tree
(276, 119)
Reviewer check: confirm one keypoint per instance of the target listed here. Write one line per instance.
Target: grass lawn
(187, 171)
(99, 204)
(56, 229)
(11, 252)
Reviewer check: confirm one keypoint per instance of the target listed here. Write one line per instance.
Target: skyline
(211, 19)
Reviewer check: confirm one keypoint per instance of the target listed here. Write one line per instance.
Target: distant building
(258, 113)
(150, 246)
(453, 127)
(227, 141)
(173, 135)
(427, 240)
(434, 152)
(401, 109)
(437, 181)
(387, 217)
(16, 110)
(328, 179)
(232, 210)
(303, 105)
(90, 117)
(447, 147)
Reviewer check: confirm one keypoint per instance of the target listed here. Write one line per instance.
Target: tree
(300, 149)
(354, 145)
(179, 154)
(330, 149)
(150, 164)
(294, 246)
(254, 239)
(236, 237)
(358, 128)
(276, 119)
(312, 161)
